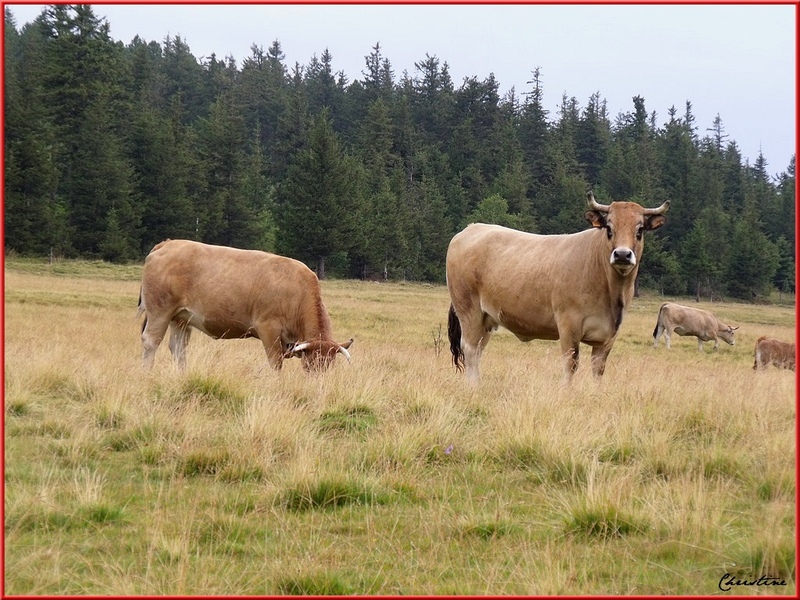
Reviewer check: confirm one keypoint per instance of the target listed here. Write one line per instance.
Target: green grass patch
(544, 464)
(211, 392)
(348, 419)
(330, 493)
(205, 461)
(489, 530)
(18, 407)
(618, 454)
(602, 521)
(319, 584)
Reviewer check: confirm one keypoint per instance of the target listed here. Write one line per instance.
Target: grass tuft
(211, 392)
(544, 464)
(18, 407)
(348, 419)
(489, 530)
(206, 461)
(330, 493)
(321, 584)
(603, 521)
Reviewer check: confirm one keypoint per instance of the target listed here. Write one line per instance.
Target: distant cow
(229, 293)
(572, 288)
(697, 322)
(771, 351)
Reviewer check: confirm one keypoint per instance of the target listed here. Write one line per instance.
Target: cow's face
(624, 224)
(318, 355)
(726, 334)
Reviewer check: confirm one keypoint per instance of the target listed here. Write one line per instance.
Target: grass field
(388, 475)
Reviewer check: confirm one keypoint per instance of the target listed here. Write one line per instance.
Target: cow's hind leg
(657, 333)
(179, 333)
(474, 336)
(152, 333)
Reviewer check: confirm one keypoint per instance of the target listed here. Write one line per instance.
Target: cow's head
(625, 224)
(726, 334)
(318, 355)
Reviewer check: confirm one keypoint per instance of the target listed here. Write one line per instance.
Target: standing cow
(697, 322)
(572, 288)
(771, 351)
(229, 293)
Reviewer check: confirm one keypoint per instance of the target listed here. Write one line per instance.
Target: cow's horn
(297, 348)
(344, 352)
(658, 211)
(594, 204)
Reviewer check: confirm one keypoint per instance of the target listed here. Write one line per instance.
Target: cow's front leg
(570, 353)
(270, 334)
(599, 358)
(700, 344)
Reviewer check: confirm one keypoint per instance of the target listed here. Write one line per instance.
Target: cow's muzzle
(623, 260)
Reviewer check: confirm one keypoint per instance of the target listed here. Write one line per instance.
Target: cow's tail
(141, 308)
(454, 333)
(658, 321)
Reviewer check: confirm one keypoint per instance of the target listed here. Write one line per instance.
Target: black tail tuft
(141, 309)
(658, 320)
(454, 333)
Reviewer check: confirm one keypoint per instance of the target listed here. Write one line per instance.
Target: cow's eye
(639, 233)
(609, 233)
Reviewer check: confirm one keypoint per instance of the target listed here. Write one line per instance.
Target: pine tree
(84, 79)
(754, 260)
(34, 215)
(321, 203)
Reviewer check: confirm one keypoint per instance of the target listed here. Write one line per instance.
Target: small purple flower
(449, 449)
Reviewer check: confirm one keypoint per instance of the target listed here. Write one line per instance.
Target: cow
(685, 320)
(571, 287)
(228, 293)
(771, 351)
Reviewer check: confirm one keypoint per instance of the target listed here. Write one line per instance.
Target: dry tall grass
(388, 475)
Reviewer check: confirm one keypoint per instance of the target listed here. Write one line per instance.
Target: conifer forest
(112, 147)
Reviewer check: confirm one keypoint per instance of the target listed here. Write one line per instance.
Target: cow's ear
(596, 218)
(654, 222)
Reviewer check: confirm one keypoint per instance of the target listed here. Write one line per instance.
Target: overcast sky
(732, 60)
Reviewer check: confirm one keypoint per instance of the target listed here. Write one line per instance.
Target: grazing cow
(771, 351)
(684, 320)
(229, 293)
(572, 288)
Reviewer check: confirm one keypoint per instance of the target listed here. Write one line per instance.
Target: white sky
(737, 61)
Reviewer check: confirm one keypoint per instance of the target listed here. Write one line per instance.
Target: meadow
(388, 475)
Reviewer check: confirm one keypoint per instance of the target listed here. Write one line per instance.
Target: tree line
(112, 147)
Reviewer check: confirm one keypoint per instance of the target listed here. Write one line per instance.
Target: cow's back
(496, 258)
(692, 320)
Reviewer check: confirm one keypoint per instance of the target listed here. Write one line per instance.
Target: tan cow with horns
(685, 320)
(573, 288)
(229, 293)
